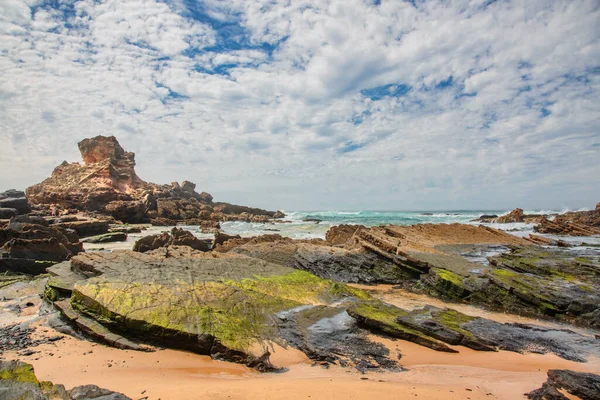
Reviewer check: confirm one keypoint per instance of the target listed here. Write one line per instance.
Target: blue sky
(340, 104)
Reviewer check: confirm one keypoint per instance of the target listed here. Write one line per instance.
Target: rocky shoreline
(234, 298)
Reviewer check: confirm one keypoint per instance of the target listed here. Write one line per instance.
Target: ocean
(314, 224)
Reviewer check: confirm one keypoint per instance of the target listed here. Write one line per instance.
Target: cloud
(306, 105)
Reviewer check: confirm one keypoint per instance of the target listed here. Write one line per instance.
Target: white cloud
(260, 102)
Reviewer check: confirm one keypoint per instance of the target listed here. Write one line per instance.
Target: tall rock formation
(107, 183)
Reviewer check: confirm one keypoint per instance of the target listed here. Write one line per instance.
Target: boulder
(598, 207)
(127, 211)
(107, 238)
(584, 386)
(278, 215)
(206, 197)
(341, 234)
(7, 213)
(18, 203)
(186, 238)
(515, 215)
(12, 193)
(49, 249)
(100, 148)
(152, 242)
(221, 238)
(89, 227)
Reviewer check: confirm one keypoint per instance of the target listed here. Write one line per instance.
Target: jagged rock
(561, 226)
(127, 211)
(186, 238)
(19, 203)
(12, 193)
(341, 234)
(49, 249)
(152, 242)
(584, 385)
(108, 184)
(598, 207)
(278, 214)
(7, 213)
(221, 238)
(178, 237)
(84, 228)
(18, 382)
(515, 215)
(107, 238)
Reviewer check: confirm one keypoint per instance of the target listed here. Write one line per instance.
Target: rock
(487, 218)
(49, 249)
(7, 213)
(219, 306)
(20, 204)
(108, 184)
(206, 197)
(515, 215)
(278, 215)
(12, 193)
(152, 242)
(584, 386)
(18, 382)
(561, 226)
(598, 207)
(178, 237)
(341, 234)
(85, 228)
(100, 148)
(221, 238)
(107, 238)
(127, 211)
(186, 238)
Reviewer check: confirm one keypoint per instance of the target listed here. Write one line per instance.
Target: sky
(314, 105)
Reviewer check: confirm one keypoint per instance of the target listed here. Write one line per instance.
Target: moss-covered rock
(18, 382)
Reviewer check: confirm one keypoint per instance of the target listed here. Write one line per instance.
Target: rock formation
(563, 225)
(515, 215)
(108, 184)
(13, 203)
(18, 381)
(584, 386)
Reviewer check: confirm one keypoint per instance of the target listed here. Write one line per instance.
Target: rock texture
(584, 386)
(18, 382)
(29, 247)
(108, 184)
(564, 225)
(515, 215)
(13, 201)
(218, 305)
(178, 237)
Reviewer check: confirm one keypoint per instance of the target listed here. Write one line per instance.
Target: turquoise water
(297, 227)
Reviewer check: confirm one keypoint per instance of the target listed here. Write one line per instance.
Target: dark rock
(85, 228)
(7, 213)
(127, 211)
(49, 249)
(152, 242)
(107, 237)
(186, 238)
(278, 215)
(585, 386)
(24, 266)
(221, 238)
(12, 193)
(20, 204)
